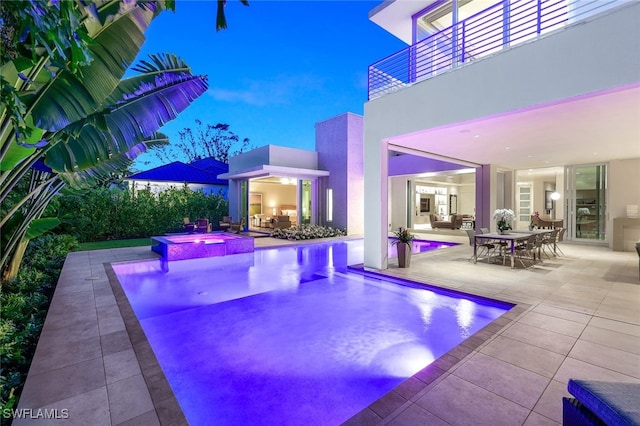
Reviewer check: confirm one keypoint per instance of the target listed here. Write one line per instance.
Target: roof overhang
(175, 182)
(395, 16)
(269, 170)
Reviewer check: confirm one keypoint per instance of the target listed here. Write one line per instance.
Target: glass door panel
(588, 218)
(524, 206)
(305, 205)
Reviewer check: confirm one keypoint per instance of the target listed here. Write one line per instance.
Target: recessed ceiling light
(529, 156)
(507, 147)
(546, 162)
(595, 153)
(476, 136)
(530, 170)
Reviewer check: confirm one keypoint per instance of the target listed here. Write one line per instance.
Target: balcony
(501, 26)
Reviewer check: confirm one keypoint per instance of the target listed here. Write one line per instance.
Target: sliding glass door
(587, 207)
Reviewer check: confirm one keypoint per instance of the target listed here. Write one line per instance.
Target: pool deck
(577, 316)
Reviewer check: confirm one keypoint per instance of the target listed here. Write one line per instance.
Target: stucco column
(376, 171)
(234, 199)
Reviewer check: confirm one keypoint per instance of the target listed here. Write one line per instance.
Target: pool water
(289, 336)
(418, 246)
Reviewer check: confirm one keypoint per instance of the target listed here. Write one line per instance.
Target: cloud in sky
(282, 89)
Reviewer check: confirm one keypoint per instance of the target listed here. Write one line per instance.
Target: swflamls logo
(35, 413)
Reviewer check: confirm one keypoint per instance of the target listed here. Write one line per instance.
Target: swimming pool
(288, 335)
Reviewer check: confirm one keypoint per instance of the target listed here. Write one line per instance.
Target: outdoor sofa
(601, 403)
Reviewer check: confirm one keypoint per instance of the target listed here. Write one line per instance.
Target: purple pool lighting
(419, 246)
(287, 335)
(195, 246)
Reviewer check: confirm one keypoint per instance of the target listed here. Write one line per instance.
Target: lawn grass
(99, 245)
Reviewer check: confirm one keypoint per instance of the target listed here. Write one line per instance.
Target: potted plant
(403, 240)
(504, 218)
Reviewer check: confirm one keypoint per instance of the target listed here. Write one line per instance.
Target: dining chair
(485, 248)
(560, 238)
(548, 241)
(526, 250)
(503, 244)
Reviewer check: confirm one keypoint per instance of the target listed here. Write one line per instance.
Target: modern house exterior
(323, 187)
(200, 175)
(509, 89)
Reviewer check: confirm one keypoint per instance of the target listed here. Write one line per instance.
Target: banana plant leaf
(105, 170)
(157, 64)
(133, 120)
(69, 97)
(38, 227)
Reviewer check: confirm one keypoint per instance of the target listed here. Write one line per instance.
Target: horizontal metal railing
(500, 26)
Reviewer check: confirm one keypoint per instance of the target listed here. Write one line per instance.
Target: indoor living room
(442, 202)
(272, 203)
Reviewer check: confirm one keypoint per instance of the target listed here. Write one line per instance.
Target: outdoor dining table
(512, 237)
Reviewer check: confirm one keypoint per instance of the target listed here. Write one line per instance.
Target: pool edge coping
(385, 408)
(163, 398)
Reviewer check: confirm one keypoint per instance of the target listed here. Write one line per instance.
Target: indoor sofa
(455, 222)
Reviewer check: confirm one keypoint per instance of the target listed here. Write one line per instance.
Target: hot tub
(194, 246)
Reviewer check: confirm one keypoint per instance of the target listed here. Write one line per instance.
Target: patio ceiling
(591, 129)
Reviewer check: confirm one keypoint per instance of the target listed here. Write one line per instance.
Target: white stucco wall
(274, 156)
(624, 189)
(339, 145)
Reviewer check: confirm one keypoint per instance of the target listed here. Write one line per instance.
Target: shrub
(25, 301)
(113, 214)
(307, 232)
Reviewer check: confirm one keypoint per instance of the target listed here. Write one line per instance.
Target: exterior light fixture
(555, 196)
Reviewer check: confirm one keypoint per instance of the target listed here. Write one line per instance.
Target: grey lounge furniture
(281, 221)
(601, 403)
(454, 223)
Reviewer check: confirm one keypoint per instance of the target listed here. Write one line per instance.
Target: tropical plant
(25, 301)
(402, 235)
(67, 119)
(221, 20)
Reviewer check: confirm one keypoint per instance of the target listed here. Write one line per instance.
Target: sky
(279, 68)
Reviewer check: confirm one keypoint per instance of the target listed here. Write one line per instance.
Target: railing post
(454, 34)
(539, 17)
(506, 23)
(463, 42)
(369, 83)
(413, 63)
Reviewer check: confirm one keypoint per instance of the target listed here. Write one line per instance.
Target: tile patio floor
(577, 316)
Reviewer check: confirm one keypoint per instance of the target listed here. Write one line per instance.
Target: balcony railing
(503, 25)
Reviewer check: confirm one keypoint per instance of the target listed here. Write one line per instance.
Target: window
(329, 205)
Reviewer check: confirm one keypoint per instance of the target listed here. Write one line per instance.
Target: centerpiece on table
(534, 220)
(504, 218)
(403, 240)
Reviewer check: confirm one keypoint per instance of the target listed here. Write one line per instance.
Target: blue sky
(279, 68)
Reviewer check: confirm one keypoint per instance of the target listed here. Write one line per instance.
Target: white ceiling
(592, 129)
